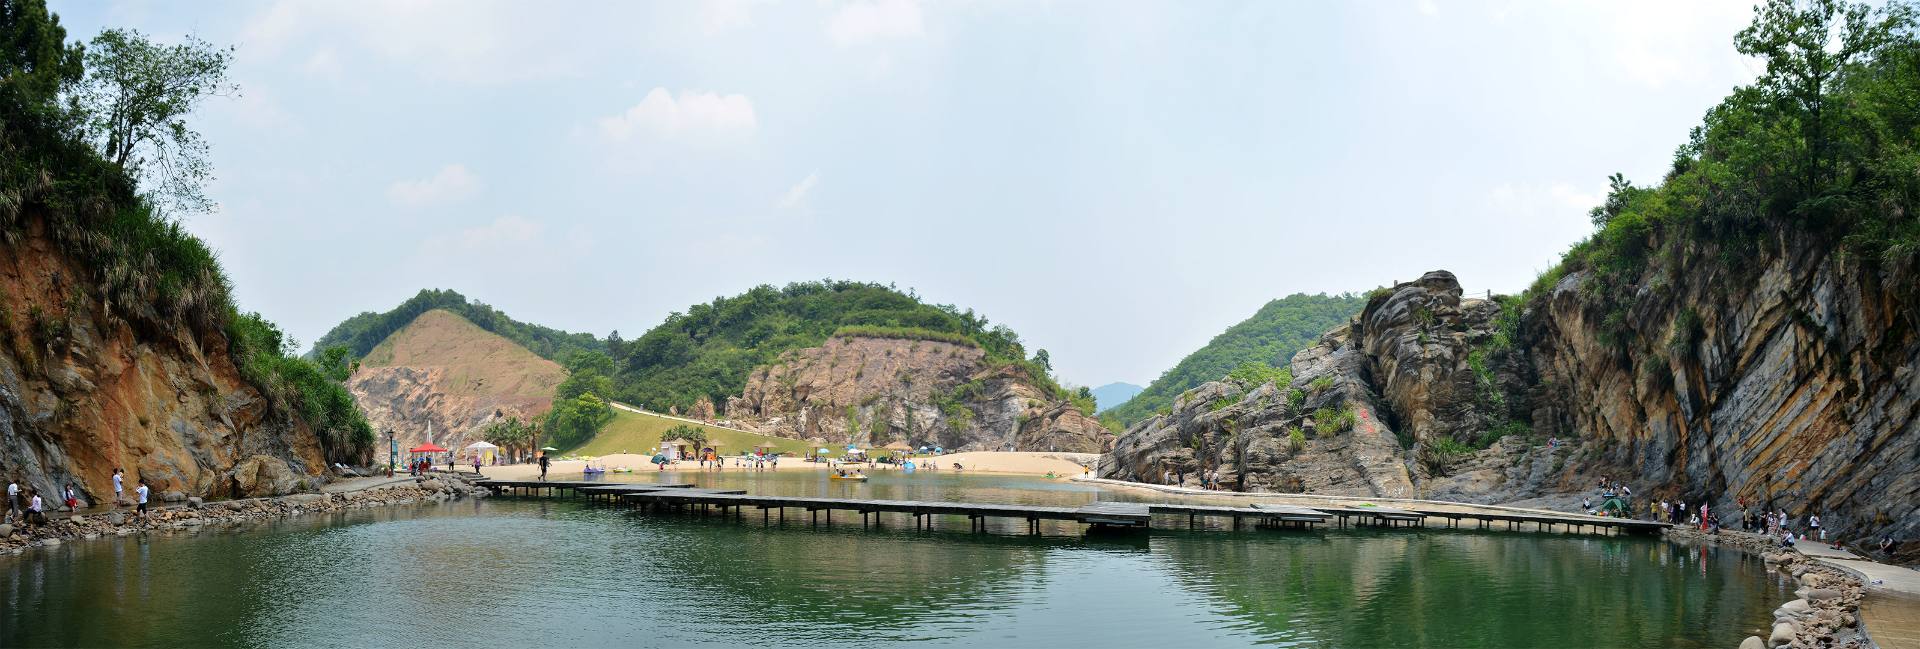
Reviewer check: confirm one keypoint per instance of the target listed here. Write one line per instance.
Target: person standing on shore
(73, 500)
(117, 493)
(1813, 524)
(13, 499)
(140, 498)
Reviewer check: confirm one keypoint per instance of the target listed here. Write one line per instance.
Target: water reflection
(534, 572)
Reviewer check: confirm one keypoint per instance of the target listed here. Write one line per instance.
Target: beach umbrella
(428, 447)
(548, 448)
(480, 446)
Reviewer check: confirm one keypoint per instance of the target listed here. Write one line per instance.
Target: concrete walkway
(1891, 611)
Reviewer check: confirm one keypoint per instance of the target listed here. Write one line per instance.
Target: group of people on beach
(26, 505)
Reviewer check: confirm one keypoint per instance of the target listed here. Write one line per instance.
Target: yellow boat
(856, 477)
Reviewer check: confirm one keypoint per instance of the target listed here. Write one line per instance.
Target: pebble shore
(15, 539)
(1827, 613)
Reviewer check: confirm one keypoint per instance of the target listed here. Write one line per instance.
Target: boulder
(173, 496)
(1753, 642)
(1782, 634)
(6, 530)
(78, 519)
(235, 505)
(432, 484)
(263, 476)
(195, 502)
(116, 518)
(1822, 594)
(304, 499)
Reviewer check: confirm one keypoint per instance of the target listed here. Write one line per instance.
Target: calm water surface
(511, 573)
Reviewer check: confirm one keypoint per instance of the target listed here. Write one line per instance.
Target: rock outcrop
(869, 390)
(82, 391)
(444, 374)
(1786, 383)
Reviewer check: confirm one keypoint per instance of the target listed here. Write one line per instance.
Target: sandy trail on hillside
(1059, 464)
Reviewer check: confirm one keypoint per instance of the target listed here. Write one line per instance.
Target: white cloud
(797, 195)
(690, 114)
(453, 182)
(1427, 8)
(717, 16)
(1659, 43)
(507, 231)
(872, 20)
(480, 41)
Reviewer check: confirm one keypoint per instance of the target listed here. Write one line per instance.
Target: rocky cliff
(82, 392)
(445, 374)
(870, 390)
(1787, 383)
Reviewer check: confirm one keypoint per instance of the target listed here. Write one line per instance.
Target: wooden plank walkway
(686, 497)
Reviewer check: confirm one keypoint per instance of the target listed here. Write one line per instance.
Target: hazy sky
(1118, 181)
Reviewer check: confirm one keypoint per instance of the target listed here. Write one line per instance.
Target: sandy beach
(1019, 463)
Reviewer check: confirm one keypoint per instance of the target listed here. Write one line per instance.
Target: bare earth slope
(874, 391)
(445, 371)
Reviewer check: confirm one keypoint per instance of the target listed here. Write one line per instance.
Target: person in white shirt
(34, 517)
(13, 499)
(141, 495)
(117, 493)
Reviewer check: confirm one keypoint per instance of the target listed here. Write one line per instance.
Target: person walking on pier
(544, 463)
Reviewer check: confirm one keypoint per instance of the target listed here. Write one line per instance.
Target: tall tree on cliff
(137, 95)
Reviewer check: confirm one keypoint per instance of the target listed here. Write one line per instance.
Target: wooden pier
(1103, 514)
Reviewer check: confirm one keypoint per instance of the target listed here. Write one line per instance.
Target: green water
(511, 573)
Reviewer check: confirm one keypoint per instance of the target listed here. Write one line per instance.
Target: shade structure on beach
(898, 446)
(548, 448)
(428, 447)
(480, 446)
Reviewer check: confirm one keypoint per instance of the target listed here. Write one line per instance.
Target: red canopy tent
(428, 447)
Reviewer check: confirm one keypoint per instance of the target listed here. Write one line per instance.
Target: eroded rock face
(1788, 382)
(866, 390)
(83, 392)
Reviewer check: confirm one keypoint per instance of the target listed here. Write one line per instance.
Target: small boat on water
(593, 470)
(623, 470)
(856, 477)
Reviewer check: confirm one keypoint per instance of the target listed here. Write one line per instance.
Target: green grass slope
(1271, 337)
(633, 432)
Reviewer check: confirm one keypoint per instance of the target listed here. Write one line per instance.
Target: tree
(337, 363)
(574, 421)
(36, 66)
(1808, 46)
(1041, 358)
(137, 95)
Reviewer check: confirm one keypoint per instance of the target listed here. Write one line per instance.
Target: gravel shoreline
(14, 539)
(1827, 613)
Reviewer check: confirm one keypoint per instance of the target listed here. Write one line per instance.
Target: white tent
(482, 450)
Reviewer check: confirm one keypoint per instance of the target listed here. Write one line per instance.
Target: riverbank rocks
(227, 514)
(1826, 615)
(262, 476)
(1753, 642)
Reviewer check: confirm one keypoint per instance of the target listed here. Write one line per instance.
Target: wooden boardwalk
(1126, 515)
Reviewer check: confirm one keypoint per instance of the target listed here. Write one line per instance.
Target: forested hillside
(1270, 338)
(709, 350)
(361, 333)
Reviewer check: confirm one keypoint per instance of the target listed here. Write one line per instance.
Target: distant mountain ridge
(361, 333)
(1271, 337)
(1111, 395)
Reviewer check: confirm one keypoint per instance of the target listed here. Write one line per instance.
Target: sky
(1117, 181)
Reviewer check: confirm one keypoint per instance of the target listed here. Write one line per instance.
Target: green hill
(361, 333)
(709, 350)
(1270, 337)
(634, 432)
